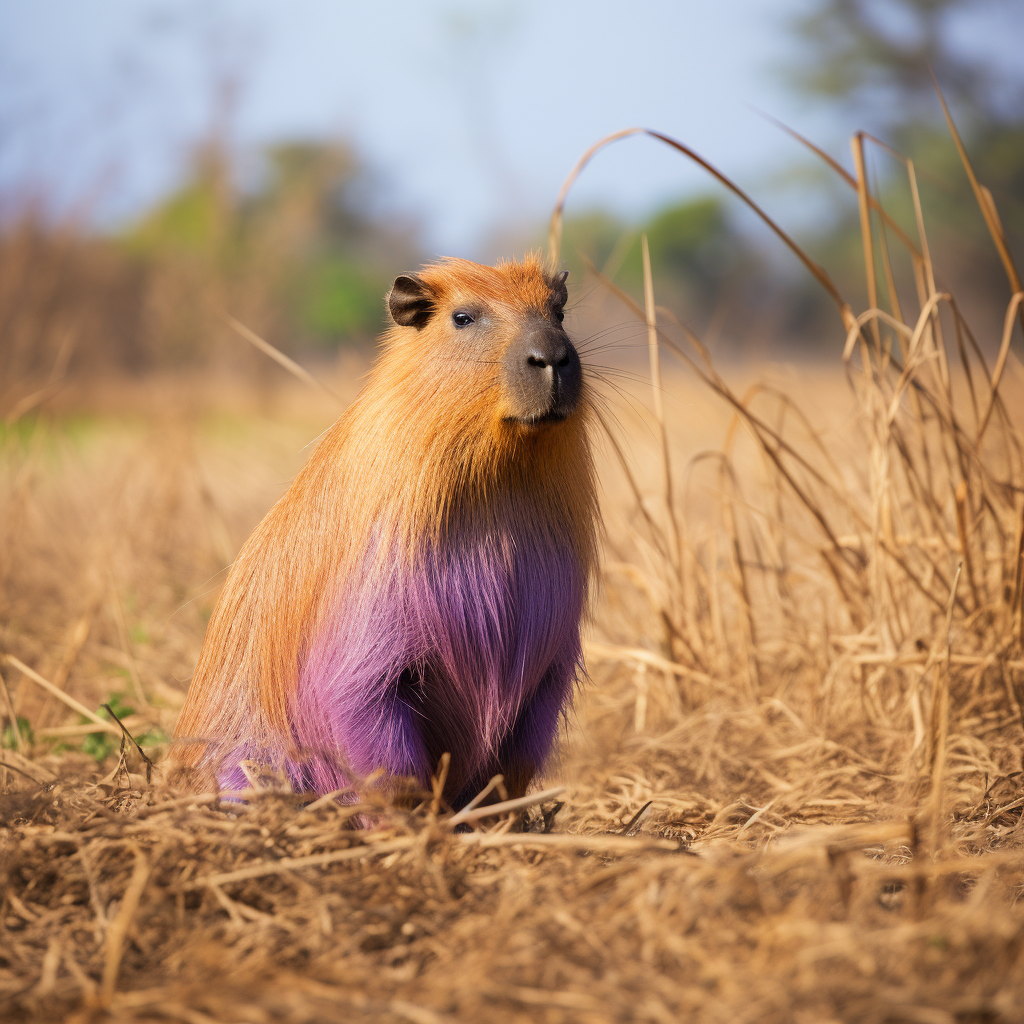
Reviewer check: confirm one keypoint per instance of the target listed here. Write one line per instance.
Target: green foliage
(689, 241)
(100, 745)
(693, 249)
(341, 300)
(20, 434)
(304, 247)
(187, 222)
(9, 741)
(596, 235)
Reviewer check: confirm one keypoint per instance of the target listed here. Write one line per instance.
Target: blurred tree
(694, 250)
(303, 257)
(691, 243)
(594, 236)
(878, 57)
(875, 61)
(318, 206)
(193, 219)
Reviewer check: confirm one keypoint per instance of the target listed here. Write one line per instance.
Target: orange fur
(425, 445)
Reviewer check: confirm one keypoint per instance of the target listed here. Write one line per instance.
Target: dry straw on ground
(792, 782)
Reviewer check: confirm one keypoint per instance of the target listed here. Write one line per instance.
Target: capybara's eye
(461, 319)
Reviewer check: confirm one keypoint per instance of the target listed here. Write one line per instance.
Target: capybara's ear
(411, 302)
(559, 295)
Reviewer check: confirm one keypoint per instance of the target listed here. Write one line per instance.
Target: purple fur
(472, 648)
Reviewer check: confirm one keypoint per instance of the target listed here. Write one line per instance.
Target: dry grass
(793, 780)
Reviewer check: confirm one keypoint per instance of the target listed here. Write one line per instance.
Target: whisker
(632, 400)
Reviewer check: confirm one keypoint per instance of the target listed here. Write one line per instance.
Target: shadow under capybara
(419, 588)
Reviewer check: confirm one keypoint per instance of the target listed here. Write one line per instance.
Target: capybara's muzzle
(543, 374)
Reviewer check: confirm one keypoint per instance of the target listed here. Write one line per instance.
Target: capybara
(419, 588)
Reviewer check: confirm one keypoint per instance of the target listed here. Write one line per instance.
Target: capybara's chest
(480, 622)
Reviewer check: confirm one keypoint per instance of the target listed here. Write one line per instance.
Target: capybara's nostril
(550, 349)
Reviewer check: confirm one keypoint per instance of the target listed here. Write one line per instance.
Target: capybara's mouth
(544, 419)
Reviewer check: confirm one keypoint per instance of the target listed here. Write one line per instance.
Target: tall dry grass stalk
(659, 413)
(873, 545)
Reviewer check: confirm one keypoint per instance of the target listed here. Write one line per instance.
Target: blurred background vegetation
(303, 250)
(296, 257)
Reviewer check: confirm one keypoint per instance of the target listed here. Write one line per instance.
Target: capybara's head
(491, 337)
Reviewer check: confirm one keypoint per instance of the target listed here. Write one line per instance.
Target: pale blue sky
(472, 113)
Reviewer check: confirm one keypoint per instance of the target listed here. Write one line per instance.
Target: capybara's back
(419, 588)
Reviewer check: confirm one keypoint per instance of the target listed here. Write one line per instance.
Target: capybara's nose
(551, 351)
(543, 374)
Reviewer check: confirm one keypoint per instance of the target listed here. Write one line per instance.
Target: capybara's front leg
(525, 750)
